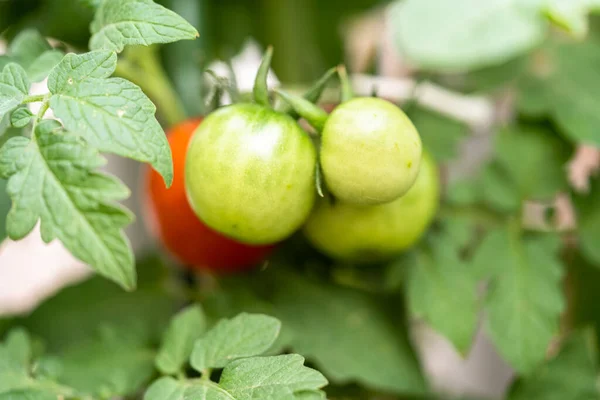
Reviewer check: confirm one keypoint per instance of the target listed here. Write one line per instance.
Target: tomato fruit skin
(375, 233)
(250, 173)
(172, 219)
(370, 151)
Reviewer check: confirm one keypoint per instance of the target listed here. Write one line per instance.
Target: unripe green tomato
(375, 233)
(250, 173)
(370, 151)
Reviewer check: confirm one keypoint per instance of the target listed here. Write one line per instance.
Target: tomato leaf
(185, 327)
(587, 208)
(52, 180)
(20, 117)
(572, 374)
(276, 377)
(170, 389)
(15, 355)
(28, 394)
(442, 289)
(563, 82)
(525, 299)
(33, 52)
(347, 334)
(468, 33)
(243, 336)
(14, 86)
(112, 114)
(120, 23)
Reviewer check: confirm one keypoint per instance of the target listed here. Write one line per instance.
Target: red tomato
(170, 217)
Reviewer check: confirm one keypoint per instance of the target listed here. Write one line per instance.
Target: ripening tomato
(373, 233)
(250, 173)
(182, 233)
(370, 151)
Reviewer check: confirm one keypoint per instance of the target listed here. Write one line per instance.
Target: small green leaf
(20, 117)
(587, 208)
(51, 179)
(14, 86)
(39, 69)
(572, 374)
(120, 23)
(525, 299)
(498, 190)
(243, 336)
(274, 377)
(27, 46)
(468, 34)
(112, 114)
(184, 329)
(15, 355)
(170, 389)
(443, 291)
(347, 334)
(28, 394)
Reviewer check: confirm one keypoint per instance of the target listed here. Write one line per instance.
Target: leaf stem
(142, 66)
(347, 92)
(307, 110)
(34, 98)
(206, 374)
(40, 115)
(261, 89)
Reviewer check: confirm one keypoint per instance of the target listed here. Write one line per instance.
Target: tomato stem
(307, 110)
(261, 89)
(347, 92)
(313, 94)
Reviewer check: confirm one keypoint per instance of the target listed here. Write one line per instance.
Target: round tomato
(250, 173)
(370, 151)
(371, 233)
(182, 233)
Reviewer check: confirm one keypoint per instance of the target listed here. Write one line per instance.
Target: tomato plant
(436, 211)
(183, 234)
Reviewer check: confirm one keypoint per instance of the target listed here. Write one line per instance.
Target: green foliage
(588, 220)
(30, 50)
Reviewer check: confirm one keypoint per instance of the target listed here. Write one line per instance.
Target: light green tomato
(370, 152)
(374, 233)
(250, 173)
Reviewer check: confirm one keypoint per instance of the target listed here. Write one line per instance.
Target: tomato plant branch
(314, 115)
(34, 98)
(261, 89)
(347, 92)
(141, 66)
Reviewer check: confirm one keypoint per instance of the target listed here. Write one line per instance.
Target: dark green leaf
(28, 394)
(20, 117)
(120, 23)
(112, 114)
(347, 334)
(572, 374)
(15, 355)
(185, 327)
(587, 208)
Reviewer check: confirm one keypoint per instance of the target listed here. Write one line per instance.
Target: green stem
(261, 89)
(307, 110)
(34, 98)
(39, 116)
(313, 94)
(206, 374)
(141, 66)
(347, 92)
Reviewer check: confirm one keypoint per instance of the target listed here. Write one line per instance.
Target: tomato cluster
(246, 178)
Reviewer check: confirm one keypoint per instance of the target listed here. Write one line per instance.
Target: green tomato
(370, 152)
(250, 173)
(374, 233)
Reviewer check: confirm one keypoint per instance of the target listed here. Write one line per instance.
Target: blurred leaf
(572, 374)
(441, 136)
(525, 297)
(497, 189)
(33, 52)
(468, 34)
(443, 291)
(185, 327)
(15, 356)
(120, 23)
(572, 15)
(587, 209)
(243, 336)
(563, 81)
(535, 160)
(116, 363)
(28, 394)
(81, 309)
(347, 334)
(4, 207)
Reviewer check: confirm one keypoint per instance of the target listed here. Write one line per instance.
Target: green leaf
(468, 34)
(497, 189)
(114, 364)
(587, 208)
(243, 336)
(20, 117)
(39, 69)
(277, 377)
(441, 136)
(28, 394)
(535, 160)
(15, 355)
(347, 334)
(120, 23)
(187, 326)
(14, 86)
(525, 299)
(563, 82)
(168, 388)
(52, 180)
(33, 52)
(572, 374)
(4, 207)
(443, 291)
(112, 114)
